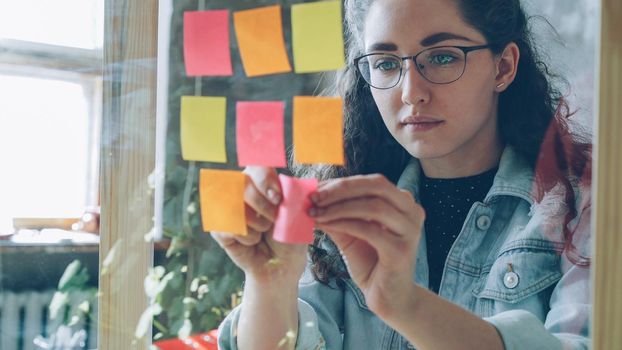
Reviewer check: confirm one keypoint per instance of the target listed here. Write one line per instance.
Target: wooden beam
(607, 317)
(17, 53)
(127, 160)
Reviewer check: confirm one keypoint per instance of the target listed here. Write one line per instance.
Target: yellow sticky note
(260, 38)
(318, 130)
(202, 128)
(221, 194)
(317, 36)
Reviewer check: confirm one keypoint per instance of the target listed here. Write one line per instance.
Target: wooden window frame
(607, 193)
(127, 159)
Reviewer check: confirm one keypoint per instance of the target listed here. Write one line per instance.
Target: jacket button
(510, 280)
(483, 222)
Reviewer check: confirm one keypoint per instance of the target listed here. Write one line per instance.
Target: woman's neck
(462, 164)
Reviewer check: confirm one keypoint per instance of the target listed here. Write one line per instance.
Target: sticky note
(293, 224)
(221, 195)
(202, 128)
(261, 42)
(318, 130)
(317, 36)
(206, 43)
(260, 133)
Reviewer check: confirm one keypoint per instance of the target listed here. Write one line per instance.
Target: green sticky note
(317, 36)
(202, 128)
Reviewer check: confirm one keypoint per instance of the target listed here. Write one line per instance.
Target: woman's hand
(257, 254)
(272, 269)
(377, 229)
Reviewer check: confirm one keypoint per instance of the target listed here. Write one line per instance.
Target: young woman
(461, 218)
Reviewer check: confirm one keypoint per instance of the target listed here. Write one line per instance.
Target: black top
(447, 203)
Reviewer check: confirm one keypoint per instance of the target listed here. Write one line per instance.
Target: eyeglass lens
(438, 65)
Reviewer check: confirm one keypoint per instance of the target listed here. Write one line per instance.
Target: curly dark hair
(533, 119)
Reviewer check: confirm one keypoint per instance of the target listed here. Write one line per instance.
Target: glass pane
(44, 139)
(212, 280)
(75, 23)
(506, 230)
(578, 27)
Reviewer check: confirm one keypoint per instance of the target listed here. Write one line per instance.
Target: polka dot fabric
(447, 203)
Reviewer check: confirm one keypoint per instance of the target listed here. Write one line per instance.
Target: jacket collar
(515, 177)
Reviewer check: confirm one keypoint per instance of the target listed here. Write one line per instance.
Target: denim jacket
(507, 265)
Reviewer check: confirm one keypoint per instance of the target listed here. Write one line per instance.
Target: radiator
(24, 316)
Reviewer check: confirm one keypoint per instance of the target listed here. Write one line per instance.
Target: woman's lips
(420, 123)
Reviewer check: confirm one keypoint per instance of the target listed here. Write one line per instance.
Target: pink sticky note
(206, 43)
(293, 224)
(260, 133)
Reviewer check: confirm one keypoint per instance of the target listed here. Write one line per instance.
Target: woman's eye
(441, 59)
(386, 65)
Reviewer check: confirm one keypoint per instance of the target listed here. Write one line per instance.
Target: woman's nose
(414, 86)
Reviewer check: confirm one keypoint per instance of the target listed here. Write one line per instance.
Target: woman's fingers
(367, 209)
(255, 221)
(252, 238)
(383, 241)
(263, 191)
(337, 190)
(231, 242)
(258, 202)
(359, 256)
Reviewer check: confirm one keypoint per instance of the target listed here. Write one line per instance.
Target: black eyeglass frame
(465, 49)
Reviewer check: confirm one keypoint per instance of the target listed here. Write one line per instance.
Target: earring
(500, 85)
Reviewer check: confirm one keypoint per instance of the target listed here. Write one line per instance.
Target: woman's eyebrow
(438, 37)
(427, 41)
(382, 47)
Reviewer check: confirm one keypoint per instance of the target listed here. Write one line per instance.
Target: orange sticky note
(202, 128)
(260, 133)
(318, 130)
(293, 224)
(221, 194)
(317, 36)
(260, 38)
(206, 43)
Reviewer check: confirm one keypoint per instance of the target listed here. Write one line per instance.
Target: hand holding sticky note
(293, 223)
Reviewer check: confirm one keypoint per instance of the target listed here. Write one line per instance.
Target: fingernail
(315, 197)
(312, 211)
(274, 196)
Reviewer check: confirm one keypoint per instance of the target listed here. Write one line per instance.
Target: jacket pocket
(519, 278)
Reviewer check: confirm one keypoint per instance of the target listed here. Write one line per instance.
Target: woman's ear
(507, 65)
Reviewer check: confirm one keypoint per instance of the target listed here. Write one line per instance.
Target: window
(50, 83)
(50, 116)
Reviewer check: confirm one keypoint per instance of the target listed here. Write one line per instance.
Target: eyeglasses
(438, 65)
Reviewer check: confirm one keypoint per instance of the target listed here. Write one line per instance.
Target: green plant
(73, 282)
(197, 285)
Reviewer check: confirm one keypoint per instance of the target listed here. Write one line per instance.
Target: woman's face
(449, 125)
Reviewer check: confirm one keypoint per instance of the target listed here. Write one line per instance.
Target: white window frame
(74, 65)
